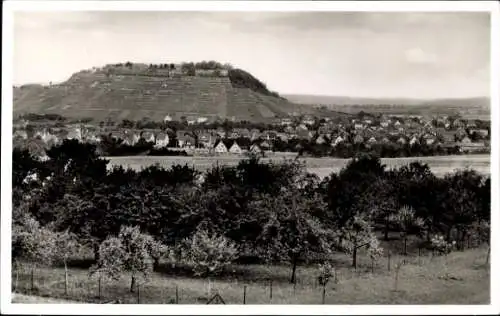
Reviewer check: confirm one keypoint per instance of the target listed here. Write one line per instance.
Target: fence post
(488, 256)
(372, 265)
(176, 294)
(244, 294)
(271, 290)
(138, 294)
(389, 261)
(324, 294)
(17, 279)
(99, 285)
(32, 279)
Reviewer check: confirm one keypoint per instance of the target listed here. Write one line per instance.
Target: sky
(357, 54)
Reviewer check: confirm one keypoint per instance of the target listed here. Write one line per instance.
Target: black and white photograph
(294, 156)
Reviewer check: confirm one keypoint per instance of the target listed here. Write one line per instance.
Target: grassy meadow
(458, 278)
(440, 165)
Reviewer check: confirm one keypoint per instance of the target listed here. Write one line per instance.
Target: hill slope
(100, 95)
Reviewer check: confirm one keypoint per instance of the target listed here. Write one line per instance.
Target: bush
(440, 246)
(326, 271)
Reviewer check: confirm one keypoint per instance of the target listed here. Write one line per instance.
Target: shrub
(440, 246)
(326, 271)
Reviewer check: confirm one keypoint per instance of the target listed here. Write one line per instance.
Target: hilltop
(137, 91)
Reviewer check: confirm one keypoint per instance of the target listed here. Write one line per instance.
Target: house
(136, 138)
(75, 133)
(284, 137)
(161, 140)
(235, 149)
(94, 138)
(402, 141)
(36, 147)
(337, 141)
(428, 124)
(191, 120)
(116, 135)
(185, 140)
(20, 133)
(458, 123)
(129, 139)
(302, 127)
(480, 132)
(397, 123)
(466, 140)
(321, 140)
(448, 137)
(243, 132)
(201, 120)
(220, 147)
(358, 126)
(308, 120)
(385, 140)
(148, 137)
(384, 124)
(207, 139)
(358, 139)
(414, 141)
(265, 145)
(256, 149)
(372, 140)
(471, 124)
(460, 133)
(167, 118)
(286, 121)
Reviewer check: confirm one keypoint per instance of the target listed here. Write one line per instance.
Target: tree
(406, 220)
(129, 252)
(66, 245)
(289, 228)
(357, 233)
(463, 202)
(32, 243)
(207, 253)
(111, 261)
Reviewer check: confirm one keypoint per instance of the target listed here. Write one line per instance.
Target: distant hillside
(468, 107)
(135, 91)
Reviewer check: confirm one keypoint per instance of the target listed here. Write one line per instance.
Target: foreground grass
(459, 278)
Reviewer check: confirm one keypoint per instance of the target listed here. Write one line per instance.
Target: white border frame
(393, 6)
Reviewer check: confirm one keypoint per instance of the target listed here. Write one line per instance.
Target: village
(200, 136)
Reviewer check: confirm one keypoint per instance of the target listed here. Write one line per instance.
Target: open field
(459, 278)
(440, 165)
(468, 108)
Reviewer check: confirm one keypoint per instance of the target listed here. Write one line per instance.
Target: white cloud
(418, 56)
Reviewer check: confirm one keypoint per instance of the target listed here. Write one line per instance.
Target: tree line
(265, 212)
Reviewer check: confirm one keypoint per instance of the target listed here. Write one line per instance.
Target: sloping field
(440, 165)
